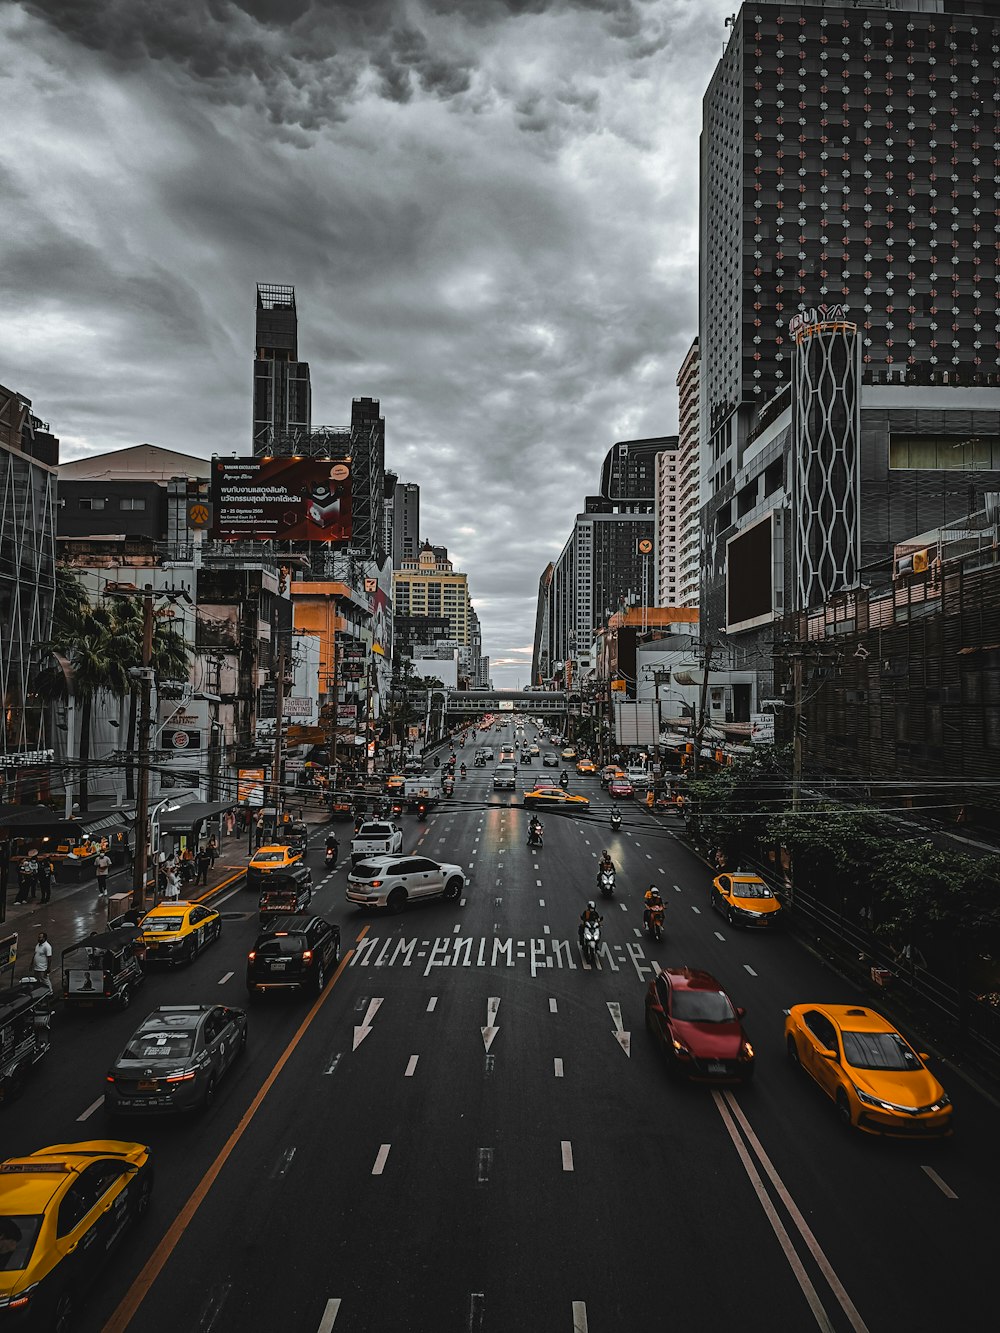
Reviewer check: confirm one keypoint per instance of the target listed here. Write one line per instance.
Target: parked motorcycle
(654, 922)
(591, 941)
(606, 883)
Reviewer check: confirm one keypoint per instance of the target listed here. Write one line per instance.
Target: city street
(472, 1130)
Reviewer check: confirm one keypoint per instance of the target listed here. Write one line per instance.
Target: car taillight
(252, 954)
(182, 1077)
(376, 883)
(110, 1078)
(307, 955)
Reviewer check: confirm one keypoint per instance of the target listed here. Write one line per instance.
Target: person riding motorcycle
(332, 845)
(606, 863)
(616, 819)
(653, 899)
(534, 828)
(588, 915)
(463, 770)
(564, 779)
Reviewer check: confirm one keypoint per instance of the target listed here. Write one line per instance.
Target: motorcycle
(654, 922)
(564, 781)
(464, 771)
(606, 883)
(535, 837)
(616, 821)
(421, 810)
(397, 808)
(331, 856)
(591, 941)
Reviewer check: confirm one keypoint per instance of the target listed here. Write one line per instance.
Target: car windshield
(158, 1045)
(158, 925)
(376, 831)
(878, 1050)
(750, 888)
(263, 857)
(702, 1006)
(18, 1232)
(277, 946)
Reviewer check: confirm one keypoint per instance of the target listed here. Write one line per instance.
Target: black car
(295, 952)
(284, 892)
(175, 1059)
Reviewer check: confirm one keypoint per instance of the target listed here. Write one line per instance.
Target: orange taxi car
(745, 900)
(553, 798)
(586, 766)
(874, 1077)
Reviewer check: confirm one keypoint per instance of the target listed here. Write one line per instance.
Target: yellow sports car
(62, 1210)
(553, 797)
(877, 1081)
(745, 900)
(177, 932)
(586, 766)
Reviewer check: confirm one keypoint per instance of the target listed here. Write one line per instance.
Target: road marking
(649, 856)
(636, 931)
(477, 1311)
(696, 910)
(541, 902)
(432, 1004)
(364, 932)
(580, 1317)
(623, 907)
(567, 1154)
(677, 888)
(547, 930)
(329, 1315)
(380, 1159)
(483, 1163)
(661, 870)
(750, 969)
(334, 1062)
(457, 929)
(213, 1306)
(719, 936)
(411, 1065)
(223, 980)
(490, 1030)
(553, 1006)
(365, 1026)
(623, 1038)
(538, 883)
(91, 1109)
(946, 1190)
(282, 1164)
(557, 1065)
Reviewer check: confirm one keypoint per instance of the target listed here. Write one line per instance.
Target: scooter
(591, 941)
(564, 782)
(535, 837)
(616, 820)
(421, 810)
(464, 771)
(331, 856)
(654, 922)
(606, 883)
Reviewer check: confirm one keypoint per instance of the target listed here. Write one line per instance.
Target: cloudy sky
(488, 210)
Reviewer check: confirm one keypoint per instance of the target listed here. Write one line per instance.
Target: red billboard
(281, 499)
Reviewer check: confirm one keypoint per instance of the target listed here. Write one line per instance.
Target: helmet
(592, 905)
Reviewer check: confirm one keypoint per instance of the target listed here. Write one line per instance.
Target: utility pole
(797, 742)
(706, 669)
(279, 706)
(140, 860)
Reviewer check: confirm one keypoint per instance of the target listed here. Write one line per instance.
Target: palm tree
(169, 662)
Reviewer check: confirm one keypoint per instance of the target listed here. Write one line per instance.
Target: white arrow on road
(490, 1030)
(623, 1038)
(366, 1024)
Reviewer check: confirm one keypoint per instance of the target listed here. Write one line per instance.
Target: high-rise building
(688, 481)
(431, 586)
(848, 307)
(667, 528)
(541, 653)
(628, 474)
(29, 455)
(405, 523)
(282, 395)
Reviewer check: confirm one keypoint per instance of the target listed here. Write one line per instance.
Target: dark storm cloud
(487, 209)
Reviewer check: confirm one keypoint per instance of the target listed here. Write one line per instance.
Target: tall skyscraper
(667, 545)
(405, 523)
(282, 395)
(431, 586)
(688, 481)
(848, 209)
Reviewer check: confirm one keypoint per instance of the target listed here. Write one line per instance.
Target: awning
(195, 812)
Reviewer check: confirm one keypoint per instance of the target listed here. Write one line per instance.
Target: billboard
(284, 499)
(754, 573)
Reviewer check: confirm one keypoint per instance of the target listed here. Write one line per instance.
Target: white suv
(639, 777)
(390, 881)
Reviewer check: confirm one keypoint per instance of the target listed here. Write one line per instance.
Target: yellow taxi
(874, 1077)
(176, 933)
(569, 752)
(62, 1211)
(552, 798)
(745, 900)
(395, 782)
(586, 766)
(270, 859)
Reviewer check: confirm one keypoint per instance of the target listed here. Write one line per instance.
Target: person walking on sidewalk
(101, 868)
(41, 962)
(213, 848)
(204, 863)
(26, 879)
(46, 872)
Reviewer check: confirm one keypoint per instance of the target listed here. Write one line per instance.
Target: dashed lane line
(749, 969)
(719, 936)
(557, 1065)
(91, 1109)
(541, 902)
(696, 910)
(329, 1315)
(225, 978)
(946, 1190)
(580, 1324)
(566, 1148)
(432, 1004)
(380, 1159)
(411, 1065)
(553, 1005)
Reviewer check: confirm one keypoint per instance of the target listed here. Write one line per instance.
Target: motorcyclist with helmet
(534, 829)
(606, 862)
(589, 913)
(653, 899)
(564, 779)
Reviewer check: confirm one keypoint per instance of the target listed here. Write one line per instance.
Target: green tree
(730, 809)
(834, 848)
(169, 662)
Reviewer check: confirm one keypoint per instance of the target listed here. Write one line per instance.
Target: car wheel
(396, 900)
(320, 981)
(844, 1108)
(793, 1052)
(452, 889)
(209, 1096)
(243, 1042)
(63, 1312)
(124, 997)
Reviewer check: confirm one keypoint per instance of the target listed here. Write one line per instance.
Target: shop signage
(26, 758)
(174, 739)
(820, 314)
(762, 729)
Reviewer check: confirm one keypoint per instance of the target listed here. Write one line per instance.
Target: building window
(132, 504)
(90, 503)
(963, 453)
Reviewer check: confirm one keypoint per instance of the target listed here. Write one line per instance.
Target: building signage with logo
(250, 786)
(762, 729)
(820, 314)
(174, 739)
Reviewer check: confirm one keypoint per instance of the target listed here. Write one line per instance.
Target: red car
(620, 787)
(699, 1027)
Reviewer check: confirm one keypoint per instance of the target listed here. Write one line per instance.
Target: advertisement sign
(762, 728)
(250, 786)
(82, 981)
(172, 738)
(298, 707)
(347, 712)
(288, 499)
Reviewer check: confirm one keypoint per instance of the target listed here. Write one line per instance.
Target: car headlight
(746, 1051)
(680, 1049)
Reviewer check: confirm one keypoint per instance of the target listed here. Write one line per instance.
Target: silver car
(390, 881)
(175, 1059)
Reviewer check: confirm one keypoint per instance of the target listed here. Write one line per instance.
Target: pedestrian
(41, 961)
(260, 829)
(46, 871)
(229, 823)
(101, 868)
(213, 848)
(26, 874)
(204, 862)
(171, 884)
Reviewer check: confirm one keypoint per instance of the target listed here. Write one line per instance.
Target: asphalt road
(405, 1170)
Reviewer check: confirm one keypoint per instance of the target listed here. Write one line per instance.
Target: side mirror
(741, 1012)
(923, 1055)
(829, 1055)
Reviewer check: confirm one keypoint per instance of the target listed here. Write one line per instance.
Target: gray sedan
(175, 1059)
